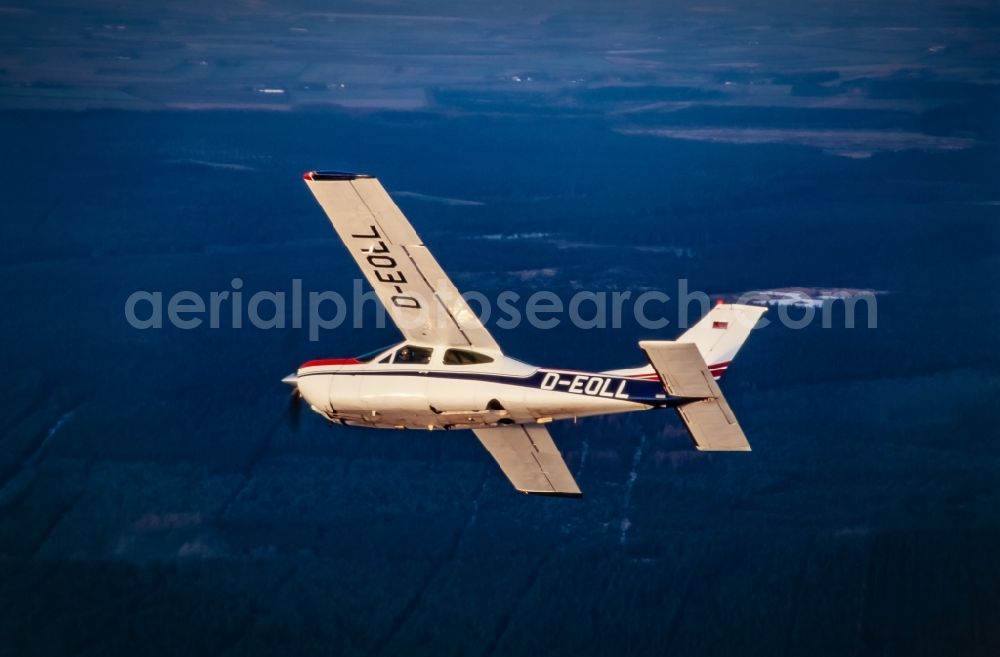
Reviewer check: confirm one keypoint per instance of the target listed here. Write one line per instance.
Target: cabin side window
(409, 355)
(463, 357)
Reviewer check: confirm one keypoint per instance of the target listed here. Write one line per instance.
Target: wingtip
(540, 493)
(319, 176)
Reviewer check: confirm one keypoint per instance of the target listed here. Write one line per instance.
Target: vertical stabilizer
(720, 334)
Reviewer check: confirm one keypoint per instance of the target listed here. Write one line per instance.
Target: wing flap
(530, 459)
(455, 308)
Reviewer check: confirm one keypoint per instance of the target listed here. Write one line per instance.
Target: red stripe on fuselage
(330, 361)
(715, 370)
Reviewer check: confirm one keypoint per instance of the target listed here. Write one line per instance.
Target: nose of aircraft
(313, 389)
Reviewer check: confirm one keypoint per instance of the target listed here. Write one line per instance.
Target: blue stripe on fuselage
(588, 384)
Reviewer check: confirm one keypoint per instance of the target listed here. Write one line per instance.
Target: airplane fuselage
(438, 396)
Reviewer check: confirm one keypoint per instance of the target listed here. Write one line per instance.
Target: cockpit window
(463, 357)
(409, 355)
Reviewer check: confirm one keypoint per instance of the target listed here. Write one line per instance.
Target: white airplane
(449, 372)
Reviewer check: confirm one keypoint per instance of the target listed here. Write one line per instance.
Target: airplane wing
(529, 458)
(415, 291)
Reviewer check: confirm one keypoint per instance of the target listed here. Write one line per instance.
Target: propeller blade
(294, 409)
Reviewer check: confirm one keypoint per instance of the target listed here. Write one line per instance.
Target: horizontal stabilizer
(681, 368)
(707, 415)
(713, 427)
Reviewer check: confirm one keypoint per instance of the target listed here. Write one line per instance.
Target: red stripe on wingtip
(308, 175)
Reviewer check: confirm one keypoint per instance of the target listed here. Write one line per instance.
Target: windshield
(369, 356)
